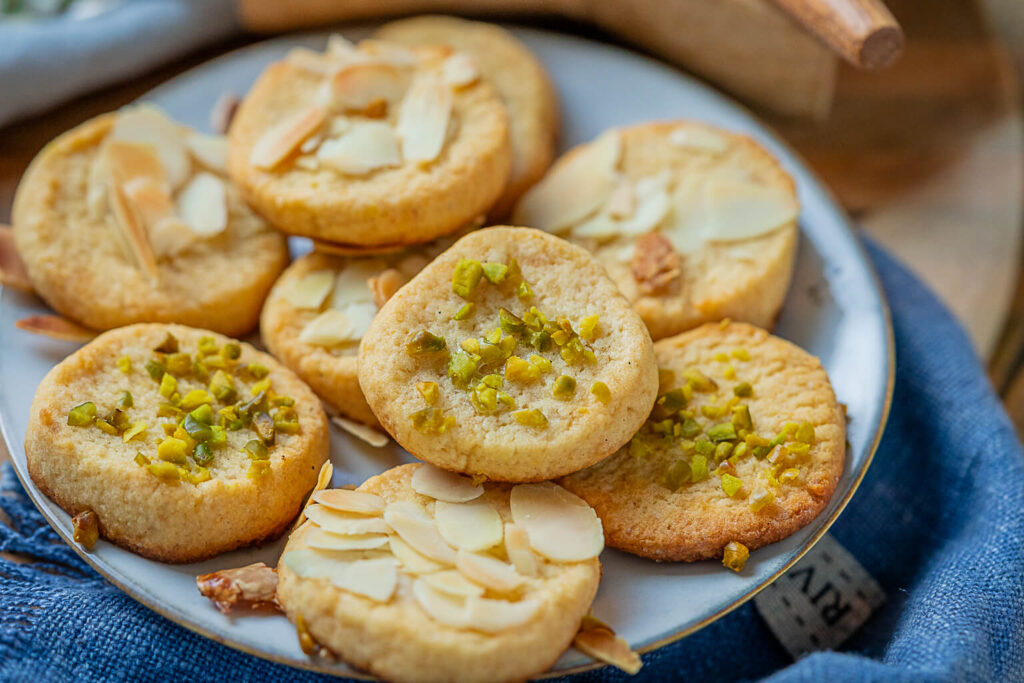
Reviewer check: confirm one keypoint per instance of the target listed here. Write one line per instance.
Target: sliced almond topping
(132, 232)
(366, 147)
(389, 53)
(423, 119)
(370, 435)
(441, 607)
(357, 87)
(459, 70)
(146, 124)
(330, 328)
(341, 48)
(560, 525)
(742, 210)
(489, 572)
(352, 284)
(687, 224)
(13, 272)
(307, 163)
(385, 285)
(655, 264)
(469, 526)
(325, 540)
(598, 640)
(492, 616)
(416, 528)
(360, 316)
(652, 204)
(338, 126)
(345, 500)
(280, 140)
(453, 583)
(310, 60)
(253, 586)
(203, 205)
(151, 199)
(209, 150)
(517, 547)
(622, 200)
(311, 290)
(601, 227)
(698, 138)
(323, 480)
(412, 561)
(574, 188)
(128, 161)
(56, 327)
(444, 485)
(345, 522)
(375, 578)
(311, 144)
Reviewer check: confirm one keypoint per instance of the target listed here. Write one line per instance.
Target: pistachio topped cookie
(130, 218)
(422, 575)
(183, 443)
(511, 356)
(515, 73)
(371, 146)
(693, 223)
(745, 446)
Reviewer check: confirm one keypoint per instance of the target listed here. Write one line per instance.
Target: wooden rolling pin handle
(863, 32)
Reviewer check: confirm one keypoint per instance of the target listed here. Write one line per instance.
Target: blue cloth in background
(938, 521)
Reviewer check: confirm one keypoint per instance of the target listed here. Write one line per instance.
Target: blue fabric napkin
(938, 521)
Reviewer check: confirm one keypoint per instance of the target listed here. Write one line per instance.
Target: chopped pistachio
(222, 386)
(168, 410)
(172, 450)
(534, 318)
(540, 340)
(257, 450)
(168, 345)
(699, 381)
(493, 380)
(261, 387)
(484, 399)
(200, 370)
(639, 448)
(125, 400)
(263, 424)
(712, 412)
(509, 322)
(564, 388)
(207, 345)
(704, 446)
(255, 370)
(282, 400)
(231, 351)
(461, 368)
(82, 415)
(286, 421)
(724, 431)
(134, 430)
(690, 428)
(218, 435)
(740, 354)
(677, 474)
(200, 475)
(506, 400)
(216, 361)
(168, 385)
(805, 433)
(731, 485)
(195, 398)
(589, 357)
(429, 392)
(541, 363)
(124, 364)
(179, 364)
(495, 272)
(735, 556)
(169, 428)
(163, 470)
(698, 468)
(431, 420)
(798, 448)
(521, 371)
(423, 342)
(741, 417)
(465, 311)
(722, 357)
(493, 336)
(672, 401)
(573, 352)
(790, 474)
(531, 418)
(723, 450)
(743, 389)
(601, 391)
(466, 277)
(203, 413)
(761, 498)
(523, 291)
(155, 369)
(141, 460)
(257, 469)
(738, 451)
(588, 327)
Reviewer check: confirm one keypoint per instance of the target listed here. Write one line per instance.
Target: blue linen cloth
(938, 521)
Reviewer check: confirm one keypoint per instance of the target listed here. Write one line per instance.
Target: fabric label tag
(821, 601)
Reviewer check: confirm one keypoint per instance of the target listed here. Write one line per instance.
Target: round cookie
(166, 477)
(517, 75)
(533, 367)
(129, 218)
(452, 582)
(693, 223)
(663, 496)
(370, 146)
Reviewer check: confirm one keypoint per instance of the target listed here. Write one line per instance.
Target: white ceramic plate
(835, 310)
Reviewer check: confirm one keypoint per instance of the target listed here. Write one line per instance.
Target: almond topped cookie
(181, 443)
(695, 224)
(745, 446)
(422, 575)
(371, 146)
(517, 75)
(130, 218)
(511, 356)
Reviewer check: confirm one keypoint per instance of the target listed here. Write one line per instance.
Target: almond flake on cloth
(56, 327)
(253, 586)
(366, 147)
(283, 138)
(203, 205)
(423, 119)
(655, 265)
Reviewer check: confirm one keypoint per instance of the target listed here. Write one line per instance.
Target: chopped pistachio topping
(761, 498)
(531, 418)
(222, 386)
(466, 311)
(699, 381)
(466, 277)
(124, 364)
(677, 474)
(722, 357)
(520, 371)
(743, 390)
(523, 291)
(495, 272)
(431, 420)
(203, 454)
(163, 470)
(429, 392)
(155, 369)
(179, 364)
(541, 363)
(257, 450)
(423, 342)
(724, 431)
(257, 469)
(564, 388)
(740, 354)
(135, 429)
(125, 400)
(589, 327)
(731, 485)
(195, 398)
(172, 450)
(601, 391)
(207, 345)
(461, 368)
(168, 345)
(231, 351)
(735, 556)
(82, 415)
(141, 460)
(168, 385)
(805, 433)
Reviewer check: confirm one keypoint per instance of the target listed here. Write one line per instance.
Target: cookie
(130, 218)
(420, 575)
(520, 79)
(511, 356)
(745, 444)
(369, 146)
(185, 444)
(694, 224)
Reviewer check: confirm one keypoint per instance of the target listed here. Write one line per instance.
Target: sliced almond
(517, 547)
(389, 53)
(374, 578)
(412, 561)
(441, 607)
(338, 126)
(56, 327)
(743, 210)
(353, 282)
(209, 150)
(460, 70)
(652, 205)
(686, 226)
(310, 60)
(574, 188)
(345, 522)
(344, 500)
(127, 161)
(489, 572)
(280, 140)
(622, 200)
(699, 139)
(358, 86)
(385, 285)
(416, 528)
(598, 640)
(330, 328)
(366, 147)
(444, 485)
(341, 48)
(469, 526)
(423, 119)
(145, 123)
(132, 232)
(203, 205)
(310, 144)
(560, 525)
(323, 480)
(601, 227)
(311, 290)
(493, 616)
(253, 586)
(13, 272)
(360, 315)
(452, 582)
(326, 540)
(151, 199)
(370, 435)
